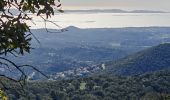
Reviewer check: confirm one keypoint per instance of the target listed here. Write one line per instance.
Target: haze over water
(106, 20)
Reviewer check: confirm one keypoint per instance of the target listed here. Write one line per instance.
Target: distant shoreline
(77, 28)
(113, 11)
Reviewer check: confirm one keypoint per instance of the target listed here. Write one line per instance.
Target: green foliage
(15, 34)
(2, 95)
(154, 86)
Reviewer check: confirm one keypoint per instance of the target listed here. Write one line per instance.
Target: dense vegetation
(149, 60)
(153, 86)
(15, 38)
(151, 83)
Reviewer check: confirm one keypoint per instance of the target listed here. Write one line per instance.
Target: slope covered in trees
(152, 59)
(153, 86)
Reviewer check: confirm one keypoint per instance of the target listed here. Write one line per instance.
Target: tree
(15, 34)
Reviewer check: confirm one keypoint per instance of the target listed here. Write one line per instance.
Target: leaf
(61, 11)
(59, 5)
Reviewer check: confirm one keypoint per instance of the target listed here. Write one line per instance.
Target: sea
(102, 20)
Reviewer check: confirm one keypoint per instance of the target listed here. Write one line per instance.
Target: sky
(163, 5)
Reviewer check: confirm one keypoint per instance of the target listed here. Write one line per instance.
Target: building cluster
(78, 72)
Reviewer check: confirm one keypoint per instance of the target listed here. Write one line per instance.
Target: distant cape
(112, 11)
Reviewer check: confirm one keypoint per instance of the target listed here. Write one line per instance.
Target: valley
(82, 49)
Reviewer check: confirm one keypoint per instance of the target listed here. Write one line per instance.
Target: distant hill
(15, 11)
(146, 11)
(149, 60)
(111, 11)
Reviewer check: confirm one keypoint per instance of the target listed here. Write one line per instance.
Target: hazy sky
(119, 4)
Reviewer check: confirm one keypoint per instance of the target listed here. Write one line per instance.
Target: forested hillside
(153, 86)
(149, 60)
